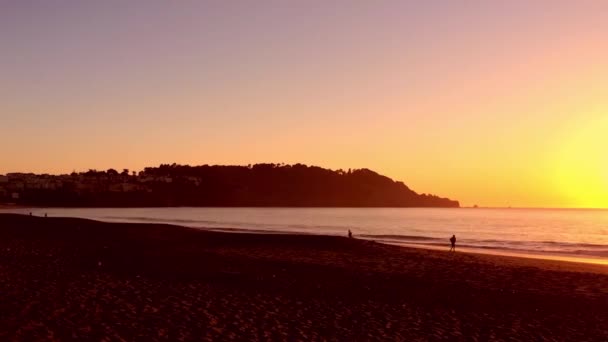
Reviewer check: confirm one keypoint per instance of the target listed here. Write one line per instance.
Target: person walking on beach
(453, 241)
(350, 234)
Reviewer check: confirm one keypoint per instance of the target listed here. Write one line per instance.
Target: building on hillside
(124, 187)
(146, 179)
(196, 181)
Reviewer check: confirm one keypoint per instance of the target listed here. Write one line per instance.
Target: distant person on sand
(453, 241)
(350, 234)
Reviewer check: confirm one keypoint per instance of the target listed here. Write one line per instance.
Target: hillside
(260, 185)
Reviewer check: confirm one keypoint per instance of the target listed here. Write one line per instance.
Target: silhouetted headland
(260, 185)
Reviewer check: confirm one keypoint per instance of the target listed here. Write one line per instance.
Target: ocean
(571, 233)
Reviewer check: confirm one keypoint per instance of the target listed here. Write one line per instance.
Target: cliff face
(260, 185)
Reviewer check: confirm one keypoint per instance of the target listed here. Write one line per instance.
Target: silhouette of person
(453, 241)
(46, 215)
(350, 234)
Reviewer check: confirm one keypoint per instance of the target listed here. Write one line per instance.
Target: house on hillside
(124, 187)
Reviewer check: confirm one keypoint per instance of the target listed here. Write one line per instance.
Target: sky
(494, 103)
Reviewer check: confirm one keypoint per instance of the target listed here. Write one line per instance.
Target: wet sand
(65, 279)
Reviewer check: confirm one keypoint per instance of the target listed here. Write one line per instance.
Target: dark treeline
(260, 185)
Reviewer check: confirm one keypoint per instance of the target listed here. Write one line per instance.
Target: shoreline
(525, 255)
(468, 250)
(568, 257)
(481, 251)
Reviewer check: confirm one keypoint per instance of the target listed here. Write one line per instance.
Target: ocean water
(543, 232)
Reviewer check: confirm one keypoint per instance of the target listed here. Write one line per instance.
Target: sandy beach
(65, 279)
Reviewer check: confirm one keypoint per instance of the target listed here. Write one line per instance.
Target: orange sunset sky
(495, 103)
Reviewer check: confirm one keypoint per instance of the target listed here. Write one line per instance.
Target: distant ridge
(260, 185)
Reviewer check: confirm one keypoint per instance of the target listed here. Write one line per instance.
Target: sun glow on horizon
(582, 172)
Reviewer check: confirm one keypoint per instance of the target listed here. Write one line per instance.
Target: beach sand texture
(65, 279)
